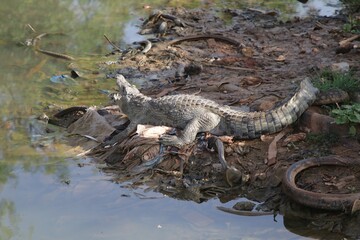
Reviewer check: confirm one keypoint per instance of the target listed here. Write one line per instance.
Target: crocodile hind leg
(203, 123)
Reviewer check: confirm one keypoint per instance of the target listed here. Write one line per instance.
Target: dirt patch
(334, 179)
(251, 61)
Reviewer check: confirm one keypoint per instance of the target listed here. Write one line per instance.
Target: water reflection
(315, 7)
(43, 192)
(8, 219)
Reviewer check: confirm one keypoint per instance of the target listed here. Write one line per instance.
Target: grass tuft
(328, 79)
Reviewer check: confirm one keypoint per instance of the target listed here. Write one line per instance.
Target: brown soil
(332, 179)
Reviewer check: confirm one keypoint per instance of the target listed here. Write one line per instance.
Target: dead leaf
(280, 58)
(251, 80)
(222, 83)
(356, 206)
(247, 51)
(272, 152)
(294, 138)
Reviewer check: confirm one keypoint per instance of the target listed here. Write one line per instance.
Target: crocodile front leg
(203, 123)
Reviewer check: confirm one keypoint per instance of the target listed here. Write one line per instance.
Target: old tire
(343, 202)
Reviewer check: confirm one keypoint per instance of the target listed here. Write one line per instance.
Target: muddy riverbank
(251, 61)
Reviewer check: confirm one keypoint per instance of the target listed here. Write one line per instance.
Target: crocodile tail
(255, 124)
(289, 112)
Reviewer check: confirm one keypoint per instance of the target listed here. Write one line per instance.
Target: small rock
(244, 206)
(315, 50)
(313, 121)
(233, 176)
(340, 67)
(229, 87)
(280, 58)
(251, 80)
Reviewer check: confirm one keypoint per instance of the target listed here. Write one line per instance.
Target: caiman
(194, 114)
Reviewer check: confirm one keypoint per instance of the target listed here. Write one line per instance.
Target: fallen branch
(349, 40)
(112, 44)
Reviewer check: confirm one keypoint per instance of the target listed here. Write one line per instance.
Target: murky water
(44, 193)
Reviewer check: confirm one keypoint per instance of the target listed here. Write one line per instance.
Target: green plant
(351, 9)
(351, 6)
(353, 25)
(328, 79)
(348, 114)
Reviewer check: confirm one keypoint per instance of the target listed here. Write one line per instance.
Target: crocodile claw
(171, 140)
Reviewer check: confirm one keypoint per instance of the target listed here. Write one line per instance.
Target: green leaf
(347, 106)
(354, 117)
(337, 112)
(341, 119)
(352, 131)
(357, 107)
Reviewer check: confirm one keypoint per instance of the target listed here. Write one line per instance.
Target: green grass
(352, 8)
(328, 79)
(353, 25)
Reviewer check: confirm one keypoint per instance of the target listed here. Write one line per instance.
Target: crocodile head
(128, 98)
(125, 88)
